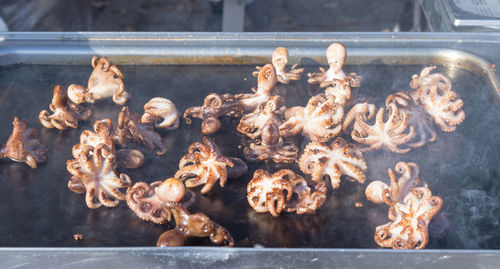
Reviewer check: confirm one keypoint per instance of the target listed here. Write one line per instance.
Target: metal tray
(39, 211)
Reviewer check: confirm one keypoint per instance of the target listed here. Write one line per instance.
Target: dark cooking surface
(38, 209)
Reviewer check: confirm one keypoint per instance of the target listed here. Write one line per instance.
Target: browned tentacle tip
(172, 190)
(130, 158)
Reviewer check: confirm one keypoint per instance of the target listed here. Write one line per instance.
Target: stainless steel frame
(475, 52)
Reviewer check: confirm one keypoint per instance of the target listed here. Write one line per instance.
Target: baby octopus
(307, 199)
(130, 127)
(379, 192)
(410, 221)
(214, 106)
(23, 145)
(105, 81)
(341, 158)
(192, 225)
(103, 134)
(162, 113)
(66, 114)
(266, 81)
(94, 173)
(335, 56)
(268, 192)
(417, 117)
(147, 201)
(280, 60)
(320, 120)
(426, 79)
(253, 123)
(435, 93)
(204, 164)
(263, 126)
(387, 132)
(445, 107)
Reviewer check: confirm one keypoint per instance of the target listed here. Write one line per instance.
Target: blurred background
(207, 15)
(250, 15)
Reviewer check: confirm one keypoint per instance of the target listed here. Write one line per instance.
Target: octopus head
(280, 58)
(267, 78)
(335, 55)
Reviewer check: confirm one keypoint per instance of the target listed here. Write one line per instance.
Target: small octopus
(426, 79)
(66, 114)
(341, 158)
(214, 106)
(23, 145)
(204, 164)
(105, 81)
(268, 192)
(365, 110)
(308, 199)
(379, 192)
(445, 107)
(162, 113)
(147, 200)
(280, 60)
(130, 127)
(335, 56)
(387, 132)
(94, 174)
(103, 134)
(266, 82)
(192, 225)
(253, 123)
(320, 120)
(410, 221)
(417, 117)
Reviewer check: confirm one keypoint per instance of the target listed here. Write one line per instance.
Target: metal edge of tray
(463, 50)
(406, 48)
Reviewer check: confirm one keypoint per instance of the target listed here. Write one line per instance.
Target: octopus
(306, 200)
(335, 56)
(147, 201)
(279, 152)
(341, 90)
(204, 164)
(23, 145)
(252, 124)
(105, 81)
(435, 93)
(341, 158)
(103, 134)
(379, 192)
(268, 192)
(214, 106)
(94, 174)
(426, 79)
(266, 82)
(192, 225)
(66, 114)
(320, 120)
(444, 106)
(162, 113)
(280, 60)
(387, 132)
(130, 127)
(417, 117)
(365, 110)
(410, 221)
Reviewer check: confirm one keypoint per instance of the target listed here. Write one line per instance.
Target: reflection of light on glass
(455, 60)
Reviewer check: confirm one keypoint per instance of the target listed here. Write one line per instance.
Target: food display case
(463, 167)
